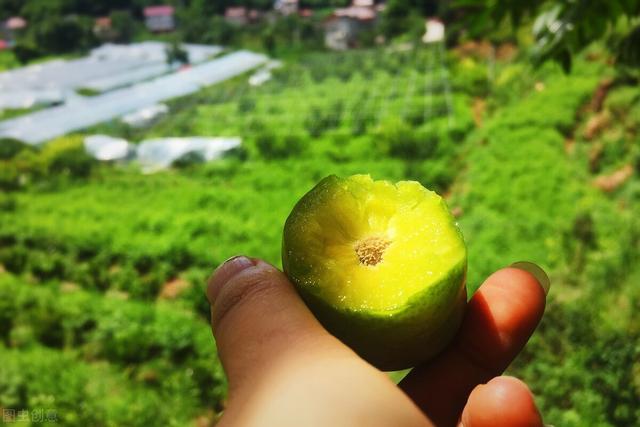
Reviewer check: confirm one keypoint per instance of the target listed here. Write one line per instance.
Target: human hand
(285, 369)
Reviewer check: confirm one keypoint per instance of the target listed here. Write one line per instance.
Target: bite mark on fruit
(371, 250)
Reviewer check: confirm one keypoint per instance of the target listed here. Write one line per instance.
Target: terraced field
(101, 295)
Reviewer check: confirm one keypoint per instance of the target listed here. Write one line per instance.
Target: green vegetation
(562, 29)
(15, 112)
(101, 295)
(7, 60)
(87, 92)
(142, 364)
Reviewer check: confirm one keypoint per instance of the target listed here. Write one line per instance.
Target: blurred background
(144, 142)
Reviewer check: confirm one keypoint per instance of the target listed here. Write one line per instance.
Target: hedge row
(158, 342)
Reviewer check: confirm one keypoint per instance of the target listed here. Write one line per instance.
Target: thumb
(503, 401)
(258, 319)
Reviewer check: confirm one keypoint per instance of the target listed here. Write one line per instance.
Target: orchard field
(102, 310)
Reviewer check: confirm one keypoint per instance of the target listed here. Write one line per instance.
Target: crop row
(525, 195)
(55, 388)
(133, 233)
(161, 345)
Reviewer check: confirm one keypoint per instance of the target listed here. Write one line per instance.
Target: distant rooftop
(16, 23)
(355, 12)
(363, 3)
(235, 12)
(104, 22)
(159, 11)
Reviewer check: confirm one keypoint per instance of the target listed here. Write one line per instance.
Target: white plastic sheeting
(104, 84)
(157, 154)
(107, 148)
(146, 116)
(434, 31)
(260, 77)
(263, 75)
(83, 112)
(108, 60)
(29, 99)
(107, 67)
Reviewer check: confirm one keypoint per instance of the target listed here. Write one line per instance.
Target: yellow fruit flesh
(375, 244)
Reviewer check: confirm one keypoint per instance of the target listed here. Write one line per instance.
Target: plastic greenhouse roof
(160, 153)
(104, 84)
(30, 98)
(107, 148)
(81, 112)
(106, 61)
(145, 116)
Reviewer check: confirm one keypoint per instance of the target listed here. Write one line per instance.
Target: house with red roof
(9, 30)
(286, 7)
(344, 25)
(103, 28)
(240, 15)
(160, 19)
(16, 23)
(236, 15)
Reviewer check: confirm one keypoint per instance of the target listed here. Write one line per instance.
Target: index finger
(499, 320)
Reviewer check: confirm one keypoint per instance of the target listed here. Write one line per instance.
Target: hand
(285, 369)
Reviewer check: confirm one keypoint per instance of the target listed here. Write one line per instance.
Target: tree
(176, 53)
(55, 35)
(562, 29)
(9, 8)
(396, 17)
(124, 25)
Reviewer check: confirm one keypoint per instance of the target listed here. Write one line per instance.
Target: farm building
(160, 18)
(344, 25)
(240, 15)
(16, 23)
(103, 28)
(286, 7)
(236, 15)
(9, 29)
(434, 31)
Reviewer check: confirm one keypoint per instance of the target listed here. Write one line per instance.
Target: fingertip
(536, 271)
(503, 401)
(500, 318)
(225, 272)
(515, 299)
(519, 282)
(243, 286)
(258, 319)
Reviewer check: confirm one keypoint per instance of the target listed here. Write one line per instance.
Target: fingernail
(536, 271)
(225, 272)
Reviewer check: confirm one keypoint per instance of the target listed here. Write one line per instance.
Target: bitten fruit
(381, 265)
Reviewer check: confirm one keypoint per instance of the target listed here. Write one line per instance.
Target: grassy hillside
(104, 267)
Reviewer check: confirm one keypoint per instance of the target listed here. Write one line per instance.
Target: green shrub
(10, 147)
(124, 333)
(58, 388)
(67, 156)
(26, 52)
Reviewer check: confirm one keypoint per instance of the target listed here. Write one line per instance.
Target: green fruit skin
(390, 341)
(404, 338)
